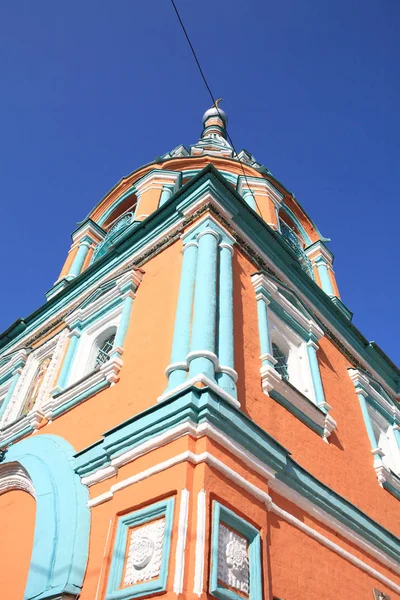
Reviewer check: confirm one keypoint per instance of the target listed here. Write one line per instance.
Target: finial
(215, 120)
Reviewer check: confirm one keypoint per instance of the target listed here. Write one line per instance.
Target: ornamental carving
(233, 561)
(144, 552)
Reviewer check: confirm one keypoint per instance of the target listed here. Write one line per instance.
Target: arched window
(295, 240)
(281, 364)
(34, 388)
(102, 348)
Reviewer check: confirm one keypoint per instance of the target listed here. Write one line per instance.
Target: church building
(192, 413)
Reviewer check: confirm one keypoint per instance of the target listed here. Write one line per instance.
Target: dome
(215, 112)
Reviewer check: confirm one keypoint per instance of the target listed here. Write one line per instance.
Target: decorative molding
(141, 562)
(13, 476)
(261, 496)
(302, 498)
(198, 584)
(181, 542)
(53, 348)
(235, 557)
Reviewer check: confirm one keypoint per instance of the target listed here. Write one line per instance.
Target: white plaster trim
(186, 428)
(307, 323)
(198, 583)
(271, 380)
(199, 378)
(385, 475)
(362, 383)
(318, 250)
(88, 229)
(207, 197)
(19, 355)
(189, 428)
(156, 179)
(108, 371)
(174, 366)
(203, 354)
(207, 217)
(181, 542)
(31, 419)
(13, 476)
(255, 491)
(260, 187)
(55, 348)
(335, 547)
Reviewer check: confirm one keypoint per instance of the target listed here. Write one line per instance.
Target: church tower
(191, 413)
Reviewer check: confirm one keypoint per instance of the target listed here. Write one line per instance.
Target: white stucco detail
(144, 552)
(233, 562)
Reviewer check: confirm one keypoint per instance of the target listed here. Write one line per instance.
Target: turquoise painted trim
(204, 406)
(205, 305)
(61, 539)
(140, 517)
(397, 436)
(221, 514)
(95, 316)
(315, 373)
(78, 261)
(7, 441)
(302, 231)
(226, 351)
(166, 194)
(183, 315)
(324, 277)
(130, 192)
(91, 391)
(390, 488)
(263, 328)
(68, 360)
(209, 180)
(249, 198)
(10, 392)
(83, 224)
(297, 413)
(124, 322)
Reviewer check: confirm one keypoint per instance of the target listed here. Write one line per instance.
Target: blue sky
(92, 90)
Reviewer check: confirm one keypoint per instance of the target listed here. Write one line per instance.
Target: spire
(215, 120)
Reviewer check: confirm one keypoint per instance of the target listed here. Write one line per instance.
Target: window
(281, 364)
(289, 361)
(35, 386)
(382, 421)
(103, 349)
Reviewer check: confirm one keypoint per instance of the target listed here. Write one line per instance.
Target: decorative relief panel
(139, 564)
(144, 553)
(233, 561)
(236, 569)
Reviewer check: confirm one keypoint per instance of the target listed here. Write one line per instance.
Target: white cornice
(265, 498)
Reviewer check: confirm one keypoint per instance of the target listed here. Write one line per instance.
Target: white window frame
(298, 394)
(387, 468)
(11, 423)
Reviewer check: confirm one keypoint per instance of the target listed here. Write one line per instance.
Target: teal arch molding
(61, 539)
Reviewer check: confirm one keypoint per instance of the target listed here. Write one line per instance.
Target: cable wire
(213, 98)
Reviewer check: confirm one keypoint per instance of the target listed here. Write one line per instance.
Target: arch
(61, 537)
(127, 201)
(294, 223)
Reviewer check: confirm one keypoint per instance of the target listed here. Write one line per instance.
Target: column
(396, 431)
(361, 396)
(10, 391)
(315, 372)
(323, 273)
(263, 326)
(202, 356)
(249, 198)
(68, 360)
(166, 194)
(227, 377)
(79, 259)
(181, 342)
(123, 325)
